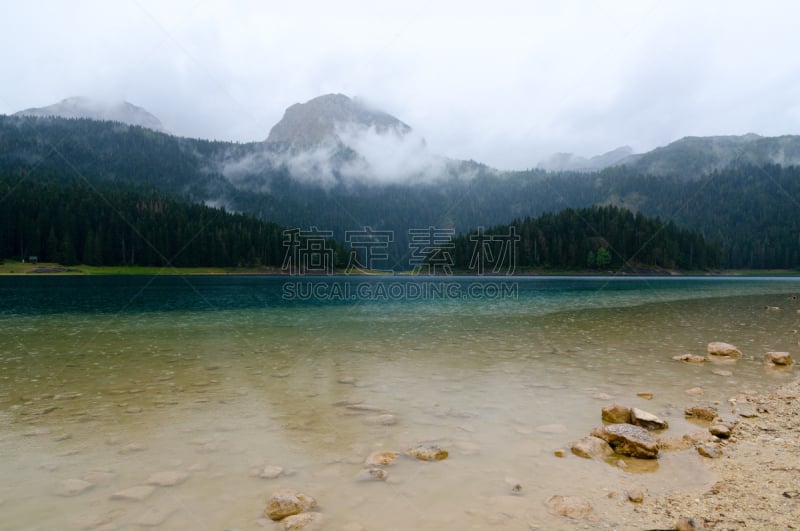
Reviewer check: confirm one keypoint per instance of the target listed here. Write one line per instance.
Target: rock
(690, 358)
(723, 350)
(167, 478)
(591, 447)
(137, 493)
(602, 396)
(778, 358)
(287, 502)
(695, 391)
(153, 516)
(772, 308)
(270, 472)
(646, 396)
(304, 521)
(571, 506)
(702, 412)
(721, 372)
(384, 458)
(720, 430)
(73, 487)
(616, 414)
(560, 452)
(627, 439)
(636, 496)
(685, 523)
(673, 443)
(709, 450)
(646, 420)
(387, 419)
(746, 410)
(372, 474)
(551, 428)
(428, 453)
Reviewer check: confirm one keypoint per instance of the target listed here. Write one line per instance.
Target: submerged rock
(648, 421)
(167, 478)
(591, 447)
(616, 414)
(270, 472)
(723, 350)
(778, 358)
(287, 502)
(627, 439)
(689, 358)
(571, 506)
(73, 487)
(372, 474)
(702, 412)
(304, 521)
(137, 493)
(711, 451)
(428, 453)
(384, 458)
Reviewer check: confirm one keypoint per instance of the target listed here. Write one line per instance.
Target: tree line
(97, 224)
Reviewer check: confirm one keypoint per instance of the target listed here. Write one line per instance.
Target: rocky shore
(758, 475)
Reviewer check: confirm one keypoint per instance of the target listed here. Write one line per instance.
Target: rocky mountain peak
(320, 120)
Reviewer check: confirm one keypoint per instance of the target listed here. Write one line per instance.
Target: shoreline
(756, 478)
(13, 269)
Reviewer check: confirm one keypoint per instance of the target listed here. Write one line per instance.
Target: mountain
(323, 119)
(572, 162)
(79, 107)
(692, 156)
(748, 207)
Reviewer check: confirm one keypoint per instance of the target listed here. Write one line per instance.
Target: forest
(749, 211)
(96, 224)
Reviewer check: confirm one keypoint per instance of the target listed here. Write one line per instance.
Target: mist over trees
(749, 211)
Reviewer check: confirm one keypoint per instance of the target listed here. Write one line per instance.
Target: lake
(109, 380)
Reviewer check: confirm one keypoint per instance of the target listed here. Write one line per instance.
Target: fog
(505, 83)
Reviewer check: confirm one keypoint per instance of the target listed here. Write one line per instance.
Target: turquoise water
(114, 378)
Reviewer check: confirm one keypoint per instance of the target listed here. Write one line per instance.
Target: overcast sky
(505, 83)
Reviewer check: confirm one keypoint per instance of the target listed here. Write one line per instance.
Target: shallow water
(115, 378)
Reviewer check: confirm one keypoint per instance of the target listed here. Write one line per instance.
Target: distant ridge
(80, 107)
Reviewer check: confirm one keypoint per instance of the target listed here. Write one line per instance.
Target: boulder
(645, 395)
(690, 358)
(428, 453)
(627, 439)
(616, 414)
(648, 421)
(720, 430)
(723, 350)
(571, 506)
(304, 521)
(778, 358)
(287, 502)
(702, 412)
(591, 447)
(384, 458)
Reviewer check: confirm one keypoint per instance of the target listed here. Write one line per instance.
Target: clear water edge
(217, 376)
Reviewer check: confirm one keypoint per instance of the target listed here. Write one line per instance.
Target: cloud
(507, 83)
